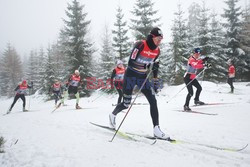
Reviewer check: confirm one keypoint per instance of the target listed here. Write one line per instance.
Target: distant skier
(194, 63)
(144, 53)
(74, 82)
(117, 76)
(20, 93)
(231, 74)
(57, 90)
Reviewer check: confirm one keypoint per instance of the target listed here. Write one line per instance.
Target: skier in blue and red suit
(117, 77)
(194, 63)
(144, 53)
(21, 90)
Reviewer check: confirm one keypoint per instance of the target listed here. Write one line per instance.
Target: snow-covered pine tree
(107, 56)
(217, 54)
(143, 20)
(245, 40)
(193, 23)
(11, 72)
(179, 48)
(120, 38)
(49, 73)
(204, 37)
(41, 68)
(33, 71)
(232, 15)
(78, 48)
(166, 61)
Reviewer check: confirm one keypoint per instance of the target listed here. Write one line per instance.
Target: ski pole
(150, 70)
(202, 77)
(97, 97)
(186, 85)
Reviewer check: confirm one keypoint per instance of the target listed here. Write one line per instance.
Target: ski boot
(198, 102)
(77, 106)
(186, 108)
(24, 110)
(159, 134)
(112, 120)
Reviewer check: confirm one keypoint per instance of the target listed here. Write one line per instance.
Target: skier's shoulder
(139, 44)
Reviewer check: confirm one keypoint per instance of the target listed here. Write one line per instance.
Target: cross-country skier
(194, 63)
(57, 90)
(231, 74)
(144, 53)
(20, 93)
(74, 82)
(117, 78)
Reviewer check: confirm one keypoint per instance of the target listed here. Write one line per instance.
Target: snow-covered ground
(65, 138)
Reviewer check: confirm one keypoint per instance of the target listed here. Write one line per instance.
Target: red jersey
(74, 80)
(193, 65)
(231, 71)
(119, 74)
(142, 55)
(21, 89)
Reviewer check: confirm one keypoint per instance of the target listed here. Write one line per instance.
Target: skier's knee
(127, 100)
(190, 94)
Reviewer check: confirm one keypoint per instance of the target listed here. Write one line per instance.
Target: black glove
(157, 84)
(155, 66)
(205, 59)
(208, 65)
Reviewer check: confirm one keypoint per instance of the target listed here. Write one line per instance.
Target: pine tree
(120, 39)
(49, 74)
(203, 31)
(143, 20)
(78, 48)
(33, 70)
(217, 55)
(107, 56)
(245, 40)
(233, 25)
(179, 48)
(204, 38)
(193, 24)
(11, 72)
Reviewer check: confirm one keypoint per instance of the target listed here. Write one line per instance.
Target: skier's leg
(153, 105)
(77, 95)
(14, 102)
(120, 96)
(198, 91)
(147, 91)
(24, 101)
(56, 97)
(190, 91)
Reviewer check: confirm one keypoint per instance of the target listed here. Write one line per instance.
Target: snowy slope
(65, 138)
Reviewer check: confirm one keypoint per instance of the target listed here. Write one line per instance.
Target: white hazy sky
(31, 24)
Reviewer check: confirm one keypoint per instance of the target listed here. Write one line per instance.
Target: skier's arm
(135, 52)
(31, 85)
(17, 88)
(113, 74)
(156, 66)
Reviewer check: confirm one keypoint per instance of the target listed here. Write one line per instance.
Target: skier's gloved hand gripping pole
(150, 71)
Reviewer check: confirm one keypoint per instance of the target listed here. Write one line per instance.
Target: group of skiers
(142, 61)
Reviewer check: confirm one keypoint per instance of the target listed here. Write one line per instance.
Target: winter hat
(24, 82)
(76, 72)
(156, 32)
(197, 50)
(230, 61)
(119, 62)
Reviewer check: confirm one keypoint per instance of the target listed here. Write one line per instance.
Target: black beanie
(156, 32)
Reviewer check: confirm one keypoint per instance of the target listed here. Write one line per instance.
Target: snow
(66, 138)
